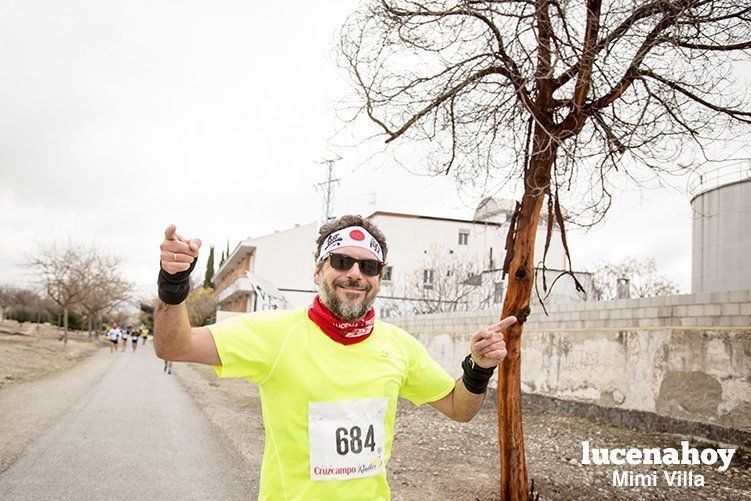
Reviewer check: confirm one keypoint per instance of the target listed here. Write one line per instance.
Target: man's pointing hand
(177, 252)
(488, 346)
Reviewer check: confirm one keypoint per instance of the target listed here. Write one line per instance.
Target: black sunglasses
(343, 262)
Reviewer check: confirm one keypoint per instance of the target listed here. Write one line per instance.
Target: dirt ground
(32, 351)
(437, 459)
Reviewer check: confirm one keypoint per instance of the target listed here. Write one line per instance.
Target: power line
(327, 187)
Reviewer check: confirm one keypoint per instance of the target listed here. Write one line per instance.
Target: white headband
(352, 236)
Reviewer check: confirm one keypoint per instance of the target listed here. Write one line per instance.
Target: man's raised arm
(487, 350)
(174, 339)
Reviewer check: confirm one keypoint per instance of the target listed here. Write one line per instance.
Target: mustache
(353, 283)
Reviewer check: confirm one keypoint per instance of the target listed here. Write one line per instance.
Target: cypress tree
(208, 278)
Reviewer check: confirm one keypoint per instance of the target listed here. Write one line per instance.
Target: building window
(427, 279)
(463, 238)
(387, 274)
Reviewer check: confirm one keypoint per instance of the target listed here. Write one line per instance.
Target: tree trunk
(97, 322)
(520, 285)
(65, 327)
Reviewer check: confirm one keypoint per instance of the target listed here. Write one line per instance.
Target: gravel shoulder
(435, 458)
(31, 400)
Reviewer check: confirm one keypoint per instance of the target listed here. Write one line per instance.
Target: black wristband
(476, 378)
(174, 288)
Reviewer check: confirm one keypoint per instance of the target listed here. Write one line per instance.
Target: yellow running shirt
(328, 408)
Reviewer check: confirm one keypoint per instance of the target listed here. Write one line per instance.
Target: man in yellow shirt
(329, 375)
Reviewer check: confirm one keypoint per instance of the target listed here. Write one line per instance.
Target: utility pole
(327, 187)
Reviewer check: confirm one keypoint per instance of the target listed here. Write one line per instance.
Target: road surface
(132, 432)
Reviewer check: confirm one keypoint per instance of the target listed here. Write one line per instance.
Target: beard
(347, 310)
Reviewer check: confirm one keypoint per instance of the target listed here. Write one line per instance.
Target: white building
(276, 270)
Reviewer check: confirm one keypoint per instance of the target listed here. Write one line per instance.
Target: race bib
(346, 438)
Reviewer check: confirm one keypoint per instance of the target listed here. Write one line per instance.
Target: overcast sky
(119, 118)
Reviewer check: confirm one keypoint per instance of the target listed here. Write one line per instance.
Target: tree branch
(474, 78)
(584, 78)
(739, 115)
(698, 46)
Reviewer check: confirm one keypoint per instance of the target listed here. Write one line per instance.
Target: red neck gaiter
(339, 330)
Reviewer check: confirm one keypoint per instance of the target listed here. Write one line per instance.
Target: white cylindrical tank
(721, 250)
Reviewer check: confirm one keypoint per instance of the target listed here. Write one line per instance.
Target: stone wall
(686, 357)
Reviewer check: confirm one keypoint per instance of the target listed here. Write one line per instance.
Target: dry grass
(33, 351)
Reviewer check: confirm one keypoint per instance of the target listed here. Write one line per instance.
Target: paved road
(136, 434)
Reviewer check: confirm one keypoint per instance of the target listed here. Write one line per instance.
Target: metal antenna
(327, 187)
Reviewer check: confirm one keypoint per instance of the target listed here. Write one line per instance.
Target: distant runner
(134, 336)
(114, 336)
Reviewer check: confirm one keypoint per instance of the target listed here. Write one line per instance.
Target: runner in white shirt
(114, 336)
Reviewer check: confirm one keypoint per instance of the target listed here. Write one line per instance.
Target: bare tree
(21, 303)
(586, 90)
(67, 274)
(7, 294)
(643, 279)
(443, 282)
(109, 289)
(121, 316)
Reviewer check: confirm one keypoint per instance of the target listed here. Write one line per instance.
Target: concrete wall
(686, 357)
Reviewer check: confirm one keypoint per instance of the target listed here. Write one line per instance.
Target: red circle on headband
(356, 235)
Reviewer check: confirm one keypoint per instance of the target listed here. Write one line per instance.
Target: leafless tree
(21, 301)
(110, 288)
(25, 304)
(574, 93)
(642, 276)
(120, 315)
(67, 273)
(443, 282)
(7, 294)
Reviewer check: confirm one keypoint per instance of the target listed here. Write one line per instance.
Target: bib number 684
(351, 440)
